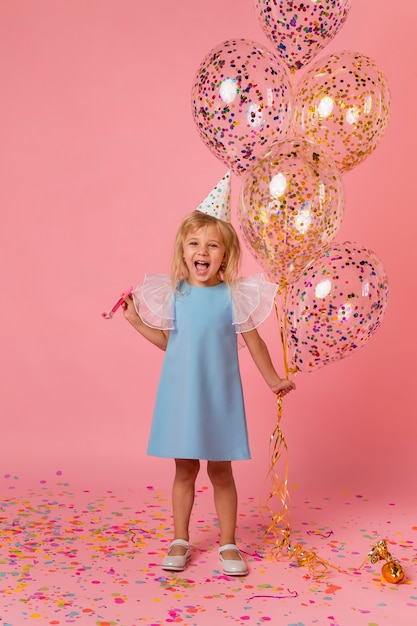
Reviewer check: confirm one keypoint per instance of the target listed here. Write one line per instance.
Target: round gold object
(393, 572)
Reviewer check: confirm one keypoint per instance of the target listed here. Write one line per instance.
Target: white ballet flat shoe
(232, 567)
(177, 563)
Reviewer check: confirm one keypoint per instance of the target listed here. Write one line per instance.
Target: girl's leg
(183, 491)
(225, 499)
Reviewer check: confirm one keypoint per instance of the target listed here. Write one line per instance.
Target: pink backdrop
(100, 160)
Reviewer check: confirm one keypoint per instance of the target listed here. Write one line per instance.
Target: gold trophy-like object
(392, 570)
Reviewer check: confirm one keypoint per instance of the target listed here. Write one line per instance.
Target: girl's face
(203, 252)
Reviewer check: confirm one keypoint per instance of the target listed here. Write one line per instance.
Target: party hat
(217, 203)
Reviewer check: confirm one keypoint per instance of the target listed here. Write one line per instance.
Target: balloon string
(283, 332)
(282, 329)
(317, 567)
(292, 79)
(279, 526)
(292, 87)
(278, 445)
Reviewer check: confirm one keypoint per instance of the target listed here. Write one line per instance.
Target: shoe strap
(180, 542)
(228, 546)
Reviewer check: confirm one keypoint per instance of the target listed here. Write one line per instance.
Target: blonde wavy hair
(195, 220)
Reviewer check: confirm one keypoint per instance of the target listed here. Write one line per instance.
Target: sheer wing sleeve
(252, 302)
(154, 301)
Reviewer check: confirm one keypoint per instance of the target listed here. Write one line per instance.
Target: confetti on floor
(73, 556)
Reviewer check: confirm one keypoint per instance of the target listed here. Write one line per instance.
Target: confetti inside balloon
(335, 306)
(299, 30)
(291, 207)
(343, 104)
(241, 101)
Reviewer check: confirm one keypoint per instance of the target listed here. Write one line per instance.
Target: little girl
(195, 316)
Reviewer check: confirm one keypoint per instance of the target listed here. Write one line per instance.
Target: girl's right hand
(156, 336)
(128, 308)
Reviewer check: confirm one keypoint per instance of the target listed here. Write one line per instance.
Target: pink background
(100, 160)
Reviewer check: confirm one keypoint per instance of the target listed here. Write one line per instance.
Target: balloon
(299, 30)
(343, 103)
(241, 101)
(290, 207)
(335, 306)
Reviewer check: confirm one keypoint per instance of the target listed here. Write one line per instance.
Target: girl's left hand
(283, 387)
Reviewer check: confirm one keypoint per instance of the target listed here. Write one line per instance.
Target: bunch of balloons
(290, 141)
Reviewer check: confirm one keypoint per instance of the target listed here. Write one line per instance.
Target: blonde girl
(195, 315)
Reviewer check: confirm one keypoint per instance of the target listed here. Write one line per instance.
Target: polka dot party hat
(217, 203)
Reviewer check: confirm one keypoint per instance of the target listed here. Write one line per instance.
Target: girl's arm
(158, 337)
(262, 359)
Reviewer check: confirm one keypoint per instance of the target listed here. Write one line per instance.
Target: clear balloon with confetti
(290, 207)
(300, 30)
(335, 307)
(343, 104)
(241, 101)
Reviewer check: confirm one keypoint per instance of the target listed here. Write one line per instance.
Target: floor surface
(69, 555)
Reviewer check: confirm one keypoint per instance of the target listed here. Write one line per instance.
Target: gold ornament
(392, 570)
(378, 552)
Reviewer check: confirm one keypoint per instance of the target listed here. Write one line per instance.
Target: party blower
(109, 315)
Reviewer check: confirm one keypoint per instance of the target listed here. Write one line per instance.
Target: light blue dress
(199, 411)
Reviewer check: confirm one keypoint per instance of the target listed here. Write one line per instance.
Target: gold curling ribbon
(317, 567)
(279, 526)
(278, 445)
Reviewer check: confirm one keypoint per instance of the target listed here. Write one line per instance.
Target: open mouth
(201, 266)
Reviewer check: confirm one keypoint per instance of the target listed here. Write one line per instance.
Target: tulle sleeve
(154, 301)
(253, 299)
